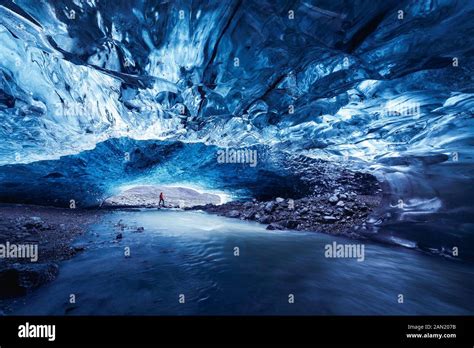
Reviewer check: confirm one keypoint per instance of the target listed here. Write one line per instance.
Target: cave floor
(141, 261)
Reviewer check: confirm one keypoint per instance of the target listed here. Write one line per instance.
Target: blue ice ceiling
(325, 77)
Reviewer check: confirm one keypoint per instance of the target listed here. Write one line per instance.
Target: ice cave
(354, 122)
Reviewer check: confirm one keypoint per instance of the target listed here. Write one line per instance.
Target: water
(192, 253)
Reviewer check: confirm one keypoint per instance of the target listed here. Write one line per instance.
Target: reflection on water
(193, 254)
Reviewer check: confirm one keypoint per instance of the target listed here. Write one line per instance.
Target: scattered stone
(348, 210)
(78, 248)
(291, 224)
(329, 218)
(333, 199)
(265, 219)
(119, 236)
(269, 207)
(249, 215)
(233, 214)
(279, 200)
(275, 226)
(248, 205)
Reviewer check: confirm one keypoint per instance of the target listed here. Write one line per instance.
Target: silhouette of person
(162, 199)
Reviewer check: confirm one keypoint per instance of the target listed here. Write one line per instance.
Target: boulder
(233, 214)
(292, 224)
(19, 279)
(265, 219)
(329, 219)
(269, 207)
(249, 214)
(275, 226)
(248, 205)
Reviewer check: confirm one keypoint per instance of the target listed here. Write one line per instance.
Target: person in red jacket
(162, 199)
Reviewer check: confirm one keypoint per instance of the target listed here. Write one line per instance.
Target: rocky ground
(339, 213)
(53, 230)
(339, 201)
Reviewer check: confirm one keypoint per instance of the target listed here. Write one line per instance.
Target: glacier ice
(323, 77)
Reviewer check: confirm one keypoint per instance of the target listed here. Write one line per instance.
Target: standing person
(162, 199)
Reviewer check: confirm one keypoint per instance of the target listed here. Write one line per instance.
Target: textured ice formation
(364, 79)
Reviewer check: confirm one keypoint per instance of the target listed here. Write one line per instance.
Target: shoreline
(49, 229)
(338, 201)
(312, 214)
